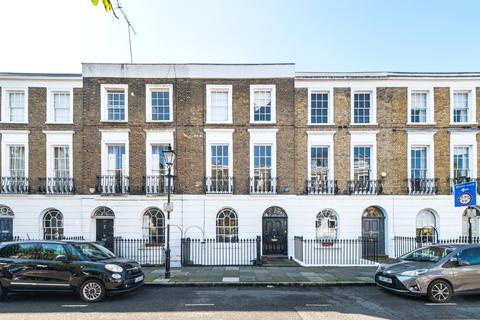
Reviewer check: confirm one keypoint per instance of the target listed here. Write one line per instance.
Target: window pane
(418, 163)
(262, 105)
(419, 107)
(16, 106)
(361, 108)
(219, 162)
(262, 161)
(361, 163)
(116, 105)
(161, 105)
(326, 225)
(219, 105)
(158, 160)
(17, 161)
(460, 107)
(116, 159)
(227, 226)
(319, 108)
(61, 107)
(61, 162)
(461, 162)
(319, 163)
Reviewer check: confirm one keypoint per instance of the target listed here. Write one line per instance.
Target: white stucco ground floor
(203, 216)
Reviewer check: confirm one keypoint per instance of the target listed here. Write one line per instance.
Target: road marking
(441, 304)
(199, 304)
(318, 305)
(74, 305)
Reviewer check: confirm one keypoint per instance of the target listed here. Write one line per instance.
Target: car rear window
(19, 251)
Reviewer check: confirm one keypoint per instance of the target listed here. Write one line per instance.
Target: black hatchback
(86, 268)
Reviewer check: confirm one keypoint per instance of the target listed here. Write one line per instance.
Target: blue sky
(342, 35)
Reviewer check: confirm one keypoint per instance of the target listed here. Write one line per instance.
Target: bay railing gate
(210, 252)
(336, 252)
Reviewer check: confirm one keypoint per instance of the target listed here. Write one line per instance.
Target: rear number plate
(383, 279)
(138, 279)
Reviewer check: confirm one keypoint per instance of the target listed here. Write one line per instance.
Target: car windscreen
(93, 252)
(427, 254)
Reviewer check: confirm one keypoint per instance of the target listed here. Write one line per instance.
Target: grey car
(436, 271)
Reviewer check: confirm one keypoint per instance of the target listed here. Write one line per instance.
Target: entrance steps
(278, 261)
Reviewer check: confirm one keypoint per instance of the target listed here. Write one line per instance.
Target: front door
(275, 236)
(105, 233)
(373, 236)
(6, 229)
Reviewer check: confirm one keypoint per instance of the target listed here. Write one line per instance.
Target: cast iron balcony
(365, 186)
(454, 181)
(15, 185)
(319, 186)
(158, 184)
(53, 185)
(113, 184)
(263, 185)
(219, 185)
(422, 186)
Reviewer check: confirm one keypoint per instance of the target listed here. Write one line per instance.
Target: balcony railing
(53, 185)
(158, 184)
(15, 185)
(219, 185)
(423, 186)
(454, 181)
(113, 184)
(318, 186)
(263, 185)
(365, 186)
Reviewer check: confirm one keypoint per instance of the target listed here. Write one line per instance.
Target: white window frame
(156, 137)
(51, 108)
(328, 91)
(421, 138)
(58, 139)
(104, 88)
(321, 139)
(364, 139)
(467, 139)
(373, 106)
(149, 88)
(9, 138)
(114, 137)
(472, 110)
(218, 137)
(270, 87)
(263, 137)
(430, 117)
(215, 87)
(5, 109)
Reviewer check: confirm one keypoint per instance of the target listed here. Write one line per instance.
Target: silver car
(436, 271)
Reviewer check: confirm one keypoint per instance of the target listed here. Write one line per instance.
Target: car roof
(35, 241)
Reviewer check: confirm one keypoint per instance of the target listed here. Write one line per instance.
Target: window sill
(159, 121)
(49, 122)
(463, 124)
(262, 122)
(363, 124)
(10, 122)
(421, 123)
(114, 121)
(321, 124)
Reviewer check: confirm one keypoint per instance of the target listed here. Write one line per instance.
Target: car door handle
(43, 266)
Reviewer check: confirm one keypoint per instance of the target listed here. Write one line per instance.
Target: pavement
(258, 276)
(239, 303)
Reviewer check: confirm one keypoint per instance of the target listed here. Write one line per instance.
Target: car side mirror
(62, 258)
(454, 260)
(462, 262)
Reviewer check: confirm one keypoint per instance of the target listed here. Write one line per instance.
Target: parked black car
(87, 268)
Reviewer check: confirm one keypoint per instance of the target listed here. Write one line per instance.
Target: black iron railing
(317, 186)
(218, 185)
(113, 184)
(143, 251)
(365, 186)
(59, 237)
(260, 185)
(423, 186)
(339, 252)
(15, 185)
(405, 244)
(454, 181)
(158, 184)
(210, 252)
(52, 185)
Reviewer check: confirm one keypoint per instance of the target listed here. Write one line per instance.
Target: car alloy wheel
(440, 291)
(92, 291)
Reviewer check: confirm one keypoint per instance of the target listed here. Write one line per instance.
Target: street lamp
(169, 156)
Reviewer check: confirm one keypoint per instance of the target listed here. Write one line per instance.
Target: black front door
(275, 236)
(373, 236)
(105, 232)
(6, 229)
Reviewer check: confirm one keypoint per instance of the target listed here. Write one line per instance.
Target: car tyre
(92, 291)
(440, 291)
(3, 293)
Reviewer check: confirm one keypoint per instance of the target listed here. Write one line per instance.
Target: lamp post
(169, 156)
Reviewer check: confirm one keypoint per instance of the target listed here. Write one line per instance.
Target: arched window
(52, 225)
(326, 224)
(154, 226)
(426, 225)
(6, 212)
(227, 226)
(104, 212)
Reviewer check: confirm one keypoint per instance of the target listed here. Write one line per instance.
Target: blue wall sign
(465, 194)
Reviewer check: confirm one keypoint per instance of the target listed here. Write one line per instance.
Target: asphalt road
(239, 303)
